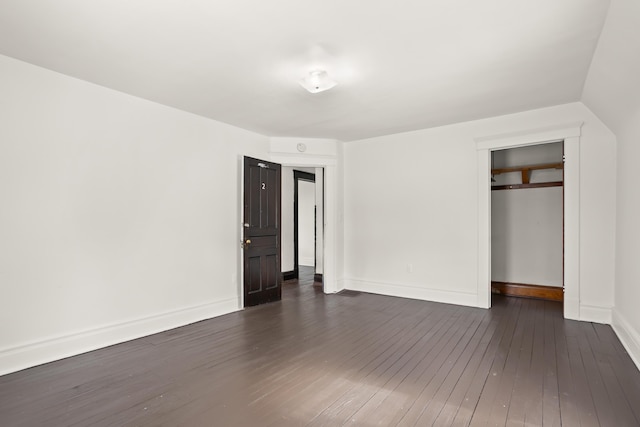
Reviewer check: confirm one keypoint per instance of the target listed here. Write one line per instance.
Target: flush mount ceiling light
(317, 81)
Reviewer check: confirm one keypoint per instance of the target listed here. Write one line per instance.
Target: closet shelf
(525, 171)
(534, 185)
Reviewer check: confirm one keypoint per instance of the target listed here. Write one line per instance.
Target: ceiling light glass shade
(317, 81)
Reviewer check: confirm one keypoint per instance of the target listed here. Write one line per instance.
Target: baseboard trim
(628, 336)
(596, 314)
(317, 277)
(412, 291)
(17, 358)
(289, 275)
(571, 308)
(551, 293)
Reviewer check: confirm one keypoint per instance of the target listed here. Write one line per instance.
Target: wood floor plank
(359, 378)
(602, 352)
(535, 374)
(417, 415)
(587, 410)
(550, 382)
(414, 386)
(520, 392)
(604, 409)
(570, 404)
(362, 390)
(490, 364)
(474, 372)
(495, 383)
(375, 391)
(346, 359)
(458, 366)
(510, 374)
(397, 398)
(620, 363)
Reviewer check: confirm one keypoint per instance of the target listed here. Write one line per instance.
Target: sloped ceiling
(400, 66)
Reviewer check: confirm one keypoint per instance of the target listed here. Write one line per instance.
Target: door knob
(248, 241)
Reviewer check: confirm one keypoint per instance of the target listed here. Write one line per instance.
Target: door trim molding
(332, 283)
(570, 134)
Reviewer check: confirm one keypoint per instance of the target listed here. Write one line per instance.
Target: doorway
(269, 214)
(304, 220)
(303, 215)
(329, 239)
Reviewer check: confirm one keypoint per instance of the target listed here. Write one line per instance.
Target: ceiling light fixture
(317, 81)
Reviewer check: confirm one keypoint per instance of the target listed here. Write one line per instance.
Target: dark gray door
(262, 281)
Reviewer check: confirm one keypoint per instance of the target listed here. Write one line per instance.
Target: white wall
(612, 91)
(119, 216)
(306, 226)
(410, 218)
(526, 236)
(526, 224)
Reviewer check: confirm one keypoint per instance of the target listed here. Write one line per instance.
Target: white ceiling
(400, 65)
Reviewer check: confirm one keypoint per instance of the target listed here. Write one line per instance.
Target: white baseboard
(307, 262)
(412, 291)
(571, 308)
(596, 314)
(629, 337)
(14, 359)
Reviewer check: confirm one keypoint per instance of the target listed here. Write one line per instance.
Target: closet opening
(527, 221)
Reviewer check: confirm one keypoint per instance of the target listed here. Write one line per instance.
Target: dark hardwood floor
(348, 359)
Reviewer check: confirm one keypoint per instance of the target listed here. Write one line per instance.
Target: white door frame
(570, 134)
(329, 164)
